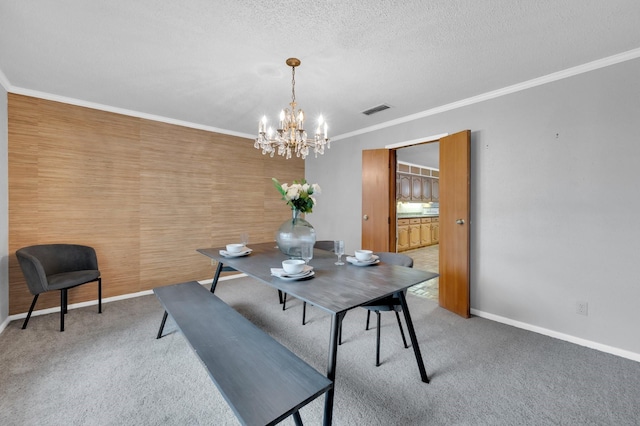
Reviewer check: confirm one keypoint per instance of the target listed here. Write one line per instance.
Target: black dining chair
(322, 245)
(388, 304)
(48, 267)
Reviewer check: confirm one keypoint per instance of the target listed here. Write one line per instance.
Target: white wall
(554, 194)
(4, 211)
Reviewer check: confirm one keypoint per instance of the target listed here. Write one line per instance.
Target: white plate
(279, 272)
(303, 277)
(374, 259)
(356, 262)
(244, 252)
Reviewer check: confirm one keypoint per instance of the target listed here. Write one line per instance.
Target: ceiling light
(290, 137)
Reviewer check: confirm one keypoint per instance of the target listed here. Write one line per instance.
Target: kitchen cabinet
(426, 188)
(416, 188)
(403, 234)
(435, 230)
(414, 233)
(435, 190)
(417, 184)
(425, 231)
(417, 232)
(405, 187)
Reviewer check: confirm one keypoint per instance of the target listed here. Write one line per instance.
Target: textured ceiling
(221, 63)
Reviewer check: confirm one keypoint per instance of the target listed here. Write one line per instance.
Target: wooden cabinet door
(405, 187)
(416, 188)
(435, 190)
(426, 189)
(403, 237)
(425, 234)
(454, 223)
(378, 199)
(414, 236)
(435, 233)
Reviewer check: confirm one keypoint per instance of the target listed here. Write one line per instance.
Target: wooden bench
(261, 380)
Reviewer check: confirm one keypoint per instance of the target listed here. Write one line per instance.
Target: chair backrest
(40, 261)
(324, 245)
(396, 259)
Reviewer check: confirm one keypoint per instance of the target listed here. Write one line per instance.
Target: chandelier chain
(293, 85)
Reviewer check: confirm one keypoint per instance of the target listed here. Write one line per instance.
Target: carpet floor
(109, 369)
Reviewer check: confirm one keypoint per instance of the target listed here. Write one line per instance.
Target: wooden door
(378, 200)
(454, 222)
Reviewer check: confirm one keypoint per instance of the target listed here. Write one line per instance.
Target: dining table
(335, 289)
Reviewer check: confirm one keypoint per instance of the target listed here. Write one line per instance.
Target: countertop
(415, 215)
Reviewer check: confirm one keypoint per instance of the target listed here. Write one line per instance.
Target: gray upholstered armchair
(49, 267)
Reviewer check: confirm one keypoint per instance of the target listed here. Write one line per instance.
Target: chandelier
(291, 137)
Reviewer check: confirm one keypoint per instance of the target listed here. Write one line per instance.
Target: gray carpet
(109, 369)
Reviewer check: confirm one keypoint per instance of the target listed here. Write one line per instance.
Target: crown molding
(549, 78)
(123, 111)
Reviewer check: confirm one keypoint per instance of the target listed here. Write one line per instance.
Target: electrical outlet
(582, 308)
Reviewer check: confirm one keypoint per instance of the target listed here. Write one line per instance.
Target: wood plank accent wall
(144, 194)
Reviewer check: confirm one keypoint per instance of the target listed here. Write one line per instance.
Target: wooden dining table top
(333, 288)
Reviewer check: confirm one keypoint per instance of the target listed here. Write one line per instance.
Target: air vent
(376, 109)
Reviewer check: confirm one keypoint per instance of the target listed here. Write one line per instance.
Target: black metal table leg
(297, 419)
(164, 319)
(214, 283)
(412, 335)
(336, 322)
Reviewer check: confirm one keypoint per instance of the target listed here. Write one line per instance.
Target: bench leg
(164, 319)
(297, 419)
(33, 305)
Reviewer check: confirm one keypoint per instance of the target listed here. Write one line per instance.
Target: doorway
(425, 155)
(379, 229)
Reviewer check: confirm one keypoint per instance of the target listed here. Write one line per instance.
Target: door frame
(462, 307)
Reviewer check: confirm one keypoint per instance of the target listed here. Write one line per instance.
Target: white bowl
(235, 248)
(293, 266)
(364, 255)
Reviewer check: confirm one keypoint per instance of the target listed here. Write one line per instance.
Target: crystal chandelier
(290, 137)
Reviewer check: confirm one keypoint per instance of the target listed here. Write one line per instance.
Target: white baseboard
(95, 302)
(566, 337)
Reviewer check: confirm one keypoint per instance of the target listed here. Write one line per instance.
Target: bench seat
(261, 380)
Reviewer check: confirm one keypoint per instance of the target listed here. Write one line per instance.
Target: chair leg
(378, 341)
(164, 319)
(63, 307)
(99, 295)
(33, 305)
(304, 312)
(368, 315)
(404, 340)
